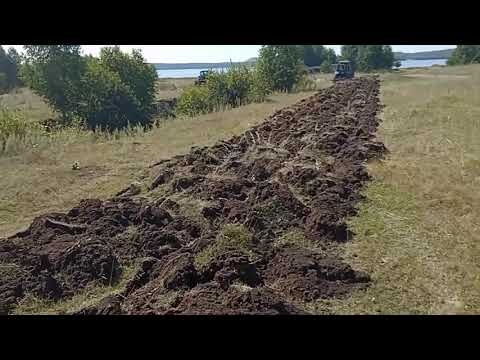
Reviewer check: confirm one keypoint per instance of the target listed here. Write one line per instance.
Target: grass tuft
(232, 237)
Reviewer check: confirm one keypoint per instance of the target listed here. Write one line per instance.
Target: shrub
(194, 101)
(306, 83)
(55, 72)
(318, 55)
(8, 69)
(280, 66)
(259, 90)
(327, 67)
(3, 83)
(238, 86)
(135, 73)
(12, 124)
(110, 92)
(105, 102)
(369, 57)
(465, 54)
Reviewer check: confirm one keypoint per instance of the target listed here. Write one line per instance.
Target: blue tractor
(343, 70)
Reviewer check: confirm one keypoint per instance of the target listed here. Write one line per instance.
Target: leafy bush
(55, 72)
(280, 66)
(238, 86)
(8, 70)
(305, 84)
(465, 54)
(3, 82)
(369, 57)
(318, 55)
(135, 73)
(327, 67)
(106, 102)
(194, 101)
(110, 92)
(12, 124)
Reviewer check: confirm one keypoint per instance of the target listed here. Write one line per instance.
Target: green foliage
(369, 57)
(12, 124)
(194, 101)
(231, 238)
(350, 52)
(465, 54)
(3, 82)
(375, 57)
(280, 66)
(318, 55)
(55, 72)
(8, 70)
(111, 92)
(238, 86)
(106, 102)
(14, 55)
(134, 72)
(305, 83)
(327, 67)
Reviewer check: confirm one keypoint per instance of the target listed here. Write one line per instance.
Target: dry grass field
(418, 231)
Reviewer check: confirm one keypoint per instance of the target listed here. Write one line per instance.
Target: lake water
(193, 73)
(422, 63)
(183, 73)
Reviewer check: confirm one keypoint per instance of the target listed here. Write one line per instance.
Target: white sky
(216, 53)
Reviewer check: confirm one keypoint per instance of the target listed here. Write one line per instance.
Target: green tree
(8, 71)
(104, 101)
(318, 55)
(280, 66)
(55, 73)
(14, 55)
(329, 59)
(111, 92)
(465, 54)
(369, 57)
(350, 53)
(133, 71)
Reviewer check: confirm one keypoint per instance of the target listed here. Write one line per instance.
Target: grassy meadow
(418, 233)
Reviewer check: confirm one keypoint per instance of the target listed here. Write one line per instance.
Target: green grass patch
(296, 238)
(232, 237)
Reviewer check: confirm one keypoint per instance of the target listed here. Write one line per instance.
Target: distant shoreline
(183, 66)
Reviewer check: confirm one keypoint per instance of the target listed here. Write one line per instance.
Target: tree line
(465, 54)
(9, 63)
(112, 91)
(117, 89)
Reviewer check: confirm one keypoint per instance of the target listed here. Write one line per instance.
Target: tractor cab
(202, 78)
(343, 70)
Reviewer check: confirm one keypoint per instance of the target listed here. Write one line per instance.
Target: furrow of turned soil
(251, 225)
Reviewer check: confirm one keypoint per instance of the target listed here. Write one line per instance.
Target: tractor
(343, 70)
(202, 78)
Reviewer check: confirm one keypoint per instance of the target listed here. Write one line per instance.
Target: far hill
(172, 66)
(424, 55)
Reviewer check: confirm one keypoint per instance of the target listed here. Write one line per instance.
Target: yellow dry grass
(418, 234)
